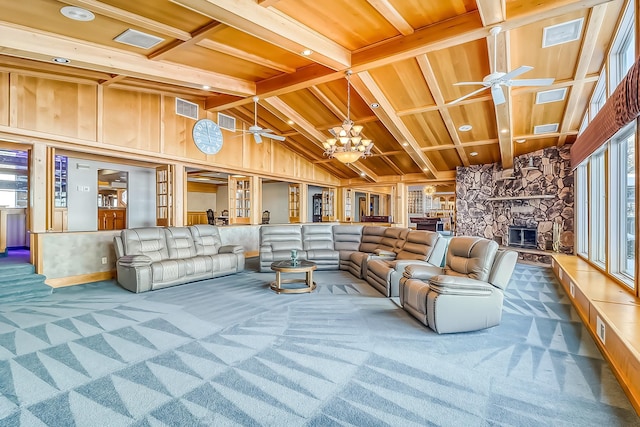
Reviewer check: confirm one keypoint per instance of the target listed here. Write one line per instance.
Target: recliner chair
(467, 294)
(422, 247)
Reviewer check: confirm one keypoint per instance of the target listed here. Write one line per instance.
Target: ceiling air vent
(562, 33)
(227, 122)
(552, 95)
(138, 39)
(550, 128)
(186, 109)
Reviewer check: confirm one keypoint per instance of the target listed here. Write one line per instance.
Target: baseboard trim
(61, 282)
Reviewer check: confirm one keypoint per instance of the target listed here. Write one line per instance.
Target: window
(599, 96)
(582, 210)
(622, 191)
(623, 48)
(13, 179)
(597, 203)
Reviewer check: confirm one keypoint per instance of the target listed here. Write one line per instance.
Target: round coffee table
(287, 266)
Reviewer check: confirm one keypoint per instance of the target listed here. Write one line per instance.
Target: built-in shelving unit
(541, 196)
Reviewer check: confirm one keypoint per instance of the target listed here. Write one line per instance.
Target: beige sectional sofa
(352, 248)
(155, 257)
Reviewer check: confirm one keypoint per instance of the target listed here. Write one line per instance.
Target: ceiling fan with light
(258, 132)
(497, 79)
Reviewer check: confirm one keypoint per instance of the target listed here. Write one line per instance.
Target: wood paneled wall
(139, 122)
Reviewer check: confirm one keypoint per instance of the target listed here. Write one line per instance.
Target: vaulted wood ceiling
(405, 56)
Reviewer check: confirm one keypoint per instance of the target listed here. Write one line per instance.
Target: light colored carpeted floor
(229, 351)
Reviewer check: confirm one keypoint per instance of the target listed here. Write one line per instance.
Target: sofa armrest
(135, 261)
(455, 285)
(400, 265)
(231, 249)
(422, 272)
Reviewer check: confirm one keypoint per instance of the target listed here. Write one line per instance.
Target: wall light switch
(104, 259)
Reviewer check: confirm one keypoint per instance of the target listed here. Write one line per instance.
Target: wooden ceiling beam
(492, 12)
(113, 12)
(369, 90)
(461, 29)
(16, 40)
(245, 56)
(587, 50)
(391, 14)
(274, 27)
(267, 3)
(196, 36)
(306, 128)
(434, 87)
(504, 116)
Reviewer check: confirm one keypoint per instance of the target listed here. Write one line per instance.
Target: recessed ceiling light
(465, 128)
(374, 105)
(291, 122)
(404, 144)
(306, 52)
(77, 13)
(363, 174)
(60, 60)
(504, 130)
(425, 169)
(205, 87)
(473, 153)
(520, 140)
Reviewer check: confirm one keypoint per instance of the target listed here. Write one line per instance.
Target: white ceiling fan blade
(515, 73)
(273, 136)
(498, 94)
(530, 82)
(470, 84)
(468, 95)
(257, 138)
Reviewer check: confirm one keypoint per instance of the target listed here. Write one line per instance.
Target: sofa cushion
(179, 243)
(419, 245)
(371, 238)
(149, 241)
(206, 239)
(470, 257)
(347, 238)
(316, 237)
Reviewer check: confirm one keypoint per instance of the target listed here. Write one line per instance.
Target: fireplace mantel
(541, 196)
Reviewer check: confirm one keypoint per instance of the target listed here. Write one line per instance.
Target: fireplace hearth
(523, 237)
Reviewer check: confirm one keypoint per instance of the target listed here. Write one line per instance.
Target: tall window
(623, 48)
(597, 204)
(622, 204)
(599, 96)
(13, 179)
(582, 210)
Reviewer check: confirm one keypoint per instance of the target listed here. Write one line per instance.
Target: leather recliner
(465, 295)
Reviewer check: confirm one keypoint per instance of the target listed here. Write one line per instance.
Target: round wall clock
(207, 136)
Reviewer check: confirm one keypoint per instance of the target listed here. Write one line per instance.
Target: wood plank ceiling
(406, 56)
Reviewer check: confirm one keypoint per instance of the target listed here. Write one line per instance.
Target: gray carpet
(229, 351)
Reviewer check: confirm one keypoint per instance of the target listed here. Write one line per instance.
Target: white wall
(275, 196)
(202, 201)
(82, 194)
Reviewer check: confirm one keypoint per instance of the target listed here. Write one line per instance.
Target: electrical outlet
(104, 259)
(572, 289)
(600, 329)
(560, 274)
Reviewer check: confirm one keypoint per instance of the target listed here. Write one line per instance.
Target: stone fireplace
(536, 193)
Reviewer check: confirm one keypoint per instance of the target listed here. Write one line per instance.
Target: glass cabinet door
(239, 200)
(294, 203)
(328, 204)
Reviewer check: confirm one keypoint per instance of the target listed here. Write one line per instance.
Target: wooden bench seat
(610, 313)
